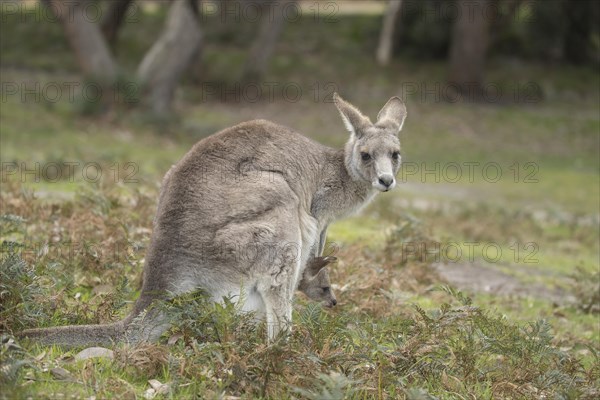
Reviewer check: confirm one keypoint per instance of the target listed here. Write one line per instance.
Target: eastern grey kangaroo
(244, 212)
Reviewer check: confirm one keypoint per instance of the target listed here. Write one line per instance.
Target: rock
(159, 388)
(94, 352)
(60, 373)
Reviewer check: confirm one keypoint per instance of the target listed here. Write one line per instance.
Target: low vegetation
(398, 332)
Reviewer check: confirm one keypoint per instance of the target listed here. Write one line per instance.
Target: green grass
(392, 335)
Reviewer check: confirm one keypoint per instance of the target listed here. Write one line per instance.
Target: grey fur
(243, 213)
(315, 281)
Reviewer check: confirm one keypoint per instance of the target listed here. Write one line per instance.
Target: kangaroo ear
(317, 264)
(394, 113)
(322, 274)
(330, 259)
(353, 119)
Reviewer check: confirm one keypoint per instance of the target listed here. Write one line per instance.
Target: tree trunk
(468, 48)
(86, 40)
(170, 56)
(271, 25)
(113, 19)
(580, 23)
(386, 39)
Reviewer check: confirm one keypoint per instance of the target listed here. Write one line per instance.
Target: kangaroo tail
(78, 335)
(142, 325)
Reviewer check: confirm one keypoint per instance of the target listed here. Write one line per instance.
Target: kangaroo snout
(330, 303)
(385, 182)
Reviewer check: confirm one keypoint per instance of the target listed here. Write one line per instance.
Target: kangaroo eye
(395, 155)
(365, 156)
(326, 289)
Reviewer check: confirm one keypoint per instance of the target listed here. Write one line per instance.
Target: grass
(73, 246)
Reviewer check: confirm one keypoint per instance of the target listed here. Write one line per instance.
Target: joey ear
(393, 112)
(322, 274)
(354, 120)
(330, 259)
(317, 264)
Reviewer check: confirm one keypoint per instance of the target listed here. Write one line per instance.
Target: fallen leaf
(173, 339)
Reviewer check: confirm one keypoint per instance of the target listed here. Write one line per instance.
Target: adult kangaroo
(243, 213)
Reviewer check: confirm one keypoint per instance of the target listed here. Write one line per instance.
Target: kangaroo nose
(334, 302)
(386, 180)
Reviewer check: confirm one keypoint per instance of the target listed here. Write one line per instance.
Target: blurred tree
(557, 30)
(468, 47)
(113, 19)
(391, 21)
(162, 66)
(86, 40)
(422, 29)
(543, 35)
(272, 21)
(173, 52)
(580, 24)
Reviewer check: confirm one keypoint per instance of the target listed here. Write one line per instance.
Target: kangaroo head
(372, 153)
(315, 283)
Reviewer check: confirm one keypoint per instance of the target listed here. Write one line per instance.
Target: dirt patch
(489, 279)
